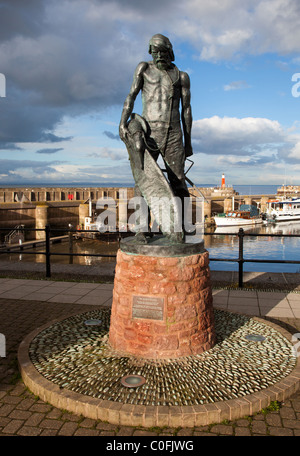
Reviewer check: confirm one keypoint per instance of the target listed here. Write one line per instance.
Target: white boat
(282, 210)
(247, 215)
(231, 229)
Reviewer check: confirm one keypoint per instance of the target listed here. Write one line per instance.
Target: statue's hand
(188, 150)
(123, 132)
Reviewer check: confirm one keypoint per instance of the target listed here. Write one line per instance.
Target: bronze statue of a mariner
(159, 130)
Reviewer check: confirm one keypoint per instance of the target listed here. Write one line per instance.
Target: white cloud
(222, 30)
(108, 152)
(295, 151)
(257, 149)
(230, 135)
(236, 85)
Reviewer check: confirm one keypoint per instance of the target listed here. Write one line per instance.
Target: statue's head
(161, 50)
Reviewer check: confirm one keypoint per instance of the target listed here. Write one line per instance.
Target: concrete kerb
(147, 416)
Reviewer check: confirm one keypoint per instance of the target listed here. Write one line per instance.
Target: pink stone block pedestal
(162, 306)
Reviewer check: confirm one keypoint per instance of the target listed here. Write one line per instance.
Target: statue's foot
(140, 238)
(176, 238)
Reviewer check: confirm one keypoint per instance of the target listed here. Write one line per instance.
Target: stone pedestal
(162, 305)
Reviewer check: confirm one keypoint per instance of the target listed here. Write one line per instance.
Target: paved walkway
(27, 304)
(250, 302)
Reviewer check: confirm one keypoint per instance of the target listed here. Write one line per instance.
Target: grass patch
(274, 406)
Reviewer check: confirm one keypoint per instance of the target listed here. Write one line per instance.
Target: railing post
(241, 257)
(48, 267)
(70, 244)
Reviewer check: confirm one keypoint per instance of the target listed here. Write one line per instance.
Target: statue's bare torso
(163, 91)
(160, 93)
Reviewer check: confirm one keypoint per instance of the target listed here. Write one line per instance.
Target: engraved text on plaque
(151, 307)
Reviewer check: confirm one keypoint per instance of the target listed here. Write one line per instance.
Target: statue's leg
(142, 220)
(153, 150)
(174, 158)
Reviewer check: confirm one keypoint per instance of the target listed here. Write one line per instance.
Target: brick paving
(23, 414)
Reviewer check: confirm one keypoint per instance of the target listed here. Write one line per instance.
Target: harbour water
(223, 243)
(267, 247)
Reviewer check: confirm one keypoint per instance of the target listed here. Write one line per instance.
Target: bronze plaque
(149, 307)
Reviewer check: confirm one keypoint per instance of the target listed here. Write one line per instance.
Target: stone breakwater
(76, 357)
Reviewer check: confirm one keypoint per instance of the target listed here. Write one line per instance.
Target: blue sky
(68, 67)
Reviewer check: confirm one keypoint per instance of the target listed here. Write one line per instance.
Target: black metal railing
(240, 260)
(47, 242)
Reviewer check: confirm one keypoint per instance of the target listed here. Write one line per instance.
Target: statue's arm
(186, 114)
(130, 99)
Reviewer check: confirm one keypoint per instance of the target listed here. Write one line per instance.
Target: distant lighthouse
(223, 181)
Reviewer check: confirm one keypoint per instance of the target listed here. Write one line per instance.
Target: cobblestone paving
(23, 414)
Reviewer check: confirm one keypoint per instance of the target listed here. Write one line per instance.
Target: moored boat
(232, 229)
(282, 210)
(246, 215)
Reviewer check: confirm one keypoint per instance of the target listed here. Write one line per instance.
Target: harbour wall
(59, 194)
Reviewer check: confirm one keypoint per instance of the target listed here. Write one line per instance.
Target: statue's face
(161, 57)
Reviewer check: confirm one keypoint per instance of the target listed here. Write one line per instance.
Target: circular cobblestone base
(70, 364)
